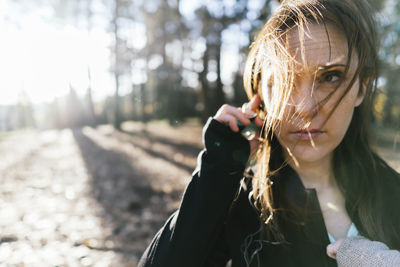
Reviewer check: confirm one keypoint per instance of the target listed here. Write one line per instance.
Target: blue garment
(351, 232)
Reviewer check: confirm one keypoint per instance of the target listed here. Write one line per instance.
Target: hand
(332, 249)
(230, 115)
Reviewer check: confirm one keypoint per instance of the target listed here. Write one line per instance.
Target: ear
(361, 93)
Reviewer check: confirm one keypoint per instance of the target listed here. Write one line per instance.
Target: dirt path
(93, 197)
(86, 197)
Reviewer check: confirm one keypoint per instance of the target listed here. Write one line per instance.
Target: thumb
(331, 250)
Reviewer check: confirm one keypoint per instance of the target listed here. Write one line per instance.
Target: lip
(308, 134)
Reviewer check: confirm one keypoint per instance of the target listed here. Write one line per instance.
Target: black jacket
(214, 225)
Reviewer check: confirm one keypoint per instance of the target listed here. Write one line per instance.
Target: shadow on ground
(167, 149)
(132, 208)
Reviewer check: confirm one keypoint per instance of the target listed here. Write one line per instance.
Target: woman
(312, 177)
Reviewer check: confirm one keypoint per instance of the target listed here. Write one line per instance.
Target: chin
(310, 154)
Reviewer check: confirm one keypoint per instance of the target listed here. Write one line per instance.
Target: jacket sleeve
(194, 235)
(359, 251)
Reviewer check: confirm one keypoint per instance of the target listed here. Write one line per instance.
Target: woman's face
(313, 128)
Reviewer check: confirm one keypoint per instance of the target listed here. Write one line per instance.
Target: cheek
(341, 118)
(350, 101)
(343, 107)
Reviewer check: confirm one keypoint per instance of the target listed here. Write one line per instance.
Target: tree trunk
(90, 106)
(219, 98)
(205, 88)
(143, 102)
(117, 119)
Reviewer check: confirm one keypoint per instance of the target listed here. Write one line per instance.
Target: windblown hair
(363, 177)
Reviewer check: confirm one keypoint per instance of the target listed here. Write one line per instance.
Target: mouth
(308, 134)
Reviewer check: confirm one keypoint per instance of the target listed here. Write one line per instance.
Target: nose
(304, 100)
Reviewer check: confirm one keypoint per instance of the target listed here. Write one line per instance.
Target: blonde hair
(269, 73)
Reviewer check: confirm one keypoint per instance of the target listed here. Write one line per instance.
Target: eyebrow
(329, 66)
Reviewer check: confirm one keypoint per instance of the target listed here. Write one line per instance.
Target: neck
(318, 175)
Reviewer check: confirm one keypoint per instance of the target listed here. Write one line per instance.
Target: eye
(331, 77)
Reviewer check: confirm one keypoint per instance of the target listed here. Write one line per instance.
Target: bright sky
(43, 59)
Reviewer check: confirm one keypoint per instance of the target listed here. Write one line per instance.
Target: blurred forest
(177, 66)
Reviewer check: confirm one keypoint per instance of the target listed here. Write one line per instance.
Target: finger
(258, 122)
(255, 102)
(230, 120)
(236, 112)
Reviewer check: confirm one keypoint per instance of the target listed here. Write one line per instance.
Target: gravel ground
(94, 197)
